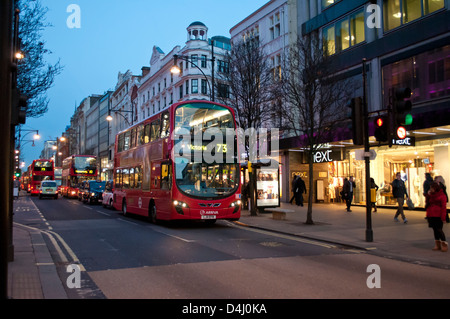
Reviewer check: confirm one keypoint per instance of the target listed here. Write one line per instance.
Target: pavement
(33, 275)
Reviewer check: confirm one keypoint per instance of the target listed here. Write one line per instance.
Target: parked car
(108, 194)
(48, 189)
(93, 192)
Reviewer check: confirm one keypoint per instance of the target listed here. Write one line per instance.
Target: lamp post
(109, 118)
(176, 69)
(20, 139)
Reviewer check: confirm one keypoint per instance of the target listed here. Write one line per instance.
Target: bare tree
(246, 83)
(315, 99)
(34, 75)
(249, 77)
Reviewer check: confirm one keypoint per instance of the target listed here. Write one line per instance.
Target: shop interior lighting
(424, 133)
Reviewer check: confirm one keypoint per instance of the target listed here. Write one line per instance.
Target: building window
(399, 12)
(275, 29)
(194, 83)
(203, 61)
(204, 88)
(181, 91)
(194, 59)
(427, 74)
(344, 34)
(276, 67)
(223, 90)
(223, 66)
(187, 86)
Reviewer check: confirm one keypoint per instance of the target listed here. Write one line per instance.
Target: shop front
(424, 151)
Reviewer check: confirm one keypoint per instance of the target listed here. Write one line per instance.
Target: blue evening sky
(117, 35)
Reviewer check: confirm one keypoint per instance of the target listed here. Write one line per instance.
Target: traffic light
(19, 109)
(356, 105)
(402, 111)
(381, 129)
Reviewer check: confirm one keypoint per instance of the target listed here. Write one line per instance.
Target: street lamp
(175, 69)
(20, 139)
(109, 118)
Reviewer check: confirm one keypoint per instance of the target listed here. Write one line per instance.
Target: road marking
(275, 234)
(127, 221)
(174, 236)
(103, 213)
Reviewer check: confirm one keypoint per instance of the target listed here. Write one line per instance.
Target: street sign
(360, 155)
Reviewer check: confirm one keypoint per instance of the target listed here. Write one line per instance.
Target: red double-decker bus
(40, 170)
(160, 171)
(76, 169)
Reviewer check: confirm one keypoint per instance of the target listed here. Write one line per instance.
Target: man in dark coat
(294, 180)
(299, 189)
(399, 192)
(347, 189)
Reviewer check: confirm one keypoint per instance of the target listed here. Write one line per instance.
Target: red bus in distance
(40, 170)
(152, 179)
(76, 169)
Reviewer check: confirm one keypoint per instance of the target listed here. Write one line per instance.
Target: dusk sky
(116, 36)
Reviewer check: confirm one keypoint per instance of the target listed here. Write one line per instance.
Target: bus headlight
(236, 203)
(92, 194)
(180, 204)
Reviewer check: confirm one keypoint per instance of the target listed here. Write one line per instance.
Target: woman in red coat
(436, 212)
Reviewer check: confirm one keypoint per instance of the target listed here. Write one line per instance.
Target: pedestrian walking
(399, 192)
(293, 187)
(347, 190)
(374, 199)
(436, 203)
(300, 188)
(440, 180)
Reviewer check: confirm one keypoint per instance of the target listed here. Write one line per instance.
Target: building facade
(160, 87)
(406, 44)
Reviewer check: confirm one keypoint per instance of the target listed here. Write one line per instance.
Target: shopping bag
(410, 203)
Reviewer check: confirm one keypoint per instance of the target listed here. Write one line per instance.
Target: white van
(48, 189)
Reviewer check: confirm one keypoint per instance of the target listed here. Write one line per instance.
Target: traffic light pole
(369, 231)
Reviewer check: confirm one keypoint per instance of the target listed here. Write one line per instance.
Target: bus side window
(126, 144)
(155, 131)
(133, 138)
(166, 176)
(125, 178)
(132, 177)
(147, 133)
(117, 180)
(140, 135)
(165, 127)
(155, 175)
(120, 143)
(137, 177)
